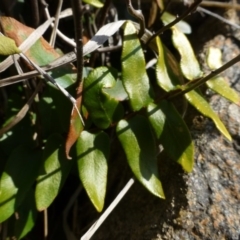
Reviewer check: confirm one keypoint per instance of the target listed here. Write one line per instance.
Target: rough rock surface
(202, 205)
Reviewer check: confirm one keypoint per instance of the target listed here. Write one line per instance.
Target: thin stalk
(138, 15)
(77, 15)
(190, 10)
(198, 82)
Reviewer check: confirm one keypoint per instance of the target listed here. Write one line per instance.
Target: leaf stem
(190, 10)
(77, 15)
(198, 82)
(138, 15)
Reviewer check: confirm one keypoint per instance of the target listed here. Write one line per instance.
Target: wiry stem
(191, 9)
(198, 82)
(138, 15)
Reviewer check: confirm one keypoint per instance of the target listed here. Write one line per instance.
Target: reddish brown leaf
(76, 126)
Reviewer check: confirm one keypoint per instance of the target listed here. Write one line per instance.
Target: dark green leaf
(117, 92)
(134, 76)
(102, 108)
(167, 69)
(53, 174)
(140, 148)
(203, 106)
(19, 175)
(173, 133)
(92, 155)
(27, 214)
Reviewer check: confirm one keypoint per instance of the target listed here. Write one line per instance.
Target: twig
(22, 113)
(35, 13)
(59, 33)
(104, 11)
(68, 232)
(220, 4)
(190, 10)
(198, 82)
(77, 15)
(50, 79)
(200, 9)
(103, 217)
(138, 15)
(45, 219)
(54, 32)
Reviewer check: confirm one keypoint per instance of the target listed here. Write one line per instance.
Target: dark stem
(35, 13)
(77, 14)
(138, 15)
(104, 11)
(190, 10)
(198, 82)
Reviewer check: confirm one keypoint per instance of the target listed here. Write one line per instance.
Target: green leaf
(189, 64)
(139, 146)
(219, 84)
(92, 155)
(7, 46)
(202, 106)
(181, 26)
(134, 75)
(172, 133)
(41, 52)
(103, 109)
(167, 70)
(53, 173)
(117, 92)
(214, 58)
(19, 175)
(95, 3)
(27, 214)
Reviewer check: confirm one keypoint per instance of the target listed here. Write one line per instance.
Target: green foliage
(134, 75)
(95, 3)
(17, 178)
(92, 154)
(218, 83)
(118, 103)
(139, 145)
(103, 109)
(53, 172)
(169, 128)
(7, 46)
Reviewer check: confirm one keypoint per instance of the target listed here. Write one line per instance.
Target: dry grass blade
(50, 79)
(220, 4)
(101, 36)
(33, 37)
(200, 9)
(65, 13)
(103, 217)
(54, 32)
